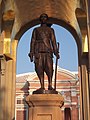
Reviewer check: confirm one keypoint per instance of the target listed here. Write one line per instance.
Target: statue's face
(43, 18)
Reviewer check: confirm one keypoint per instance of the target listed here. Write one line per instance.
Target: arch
(59, 22)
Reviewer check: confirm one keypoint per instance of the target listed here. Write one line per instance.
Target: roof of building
(62, 74)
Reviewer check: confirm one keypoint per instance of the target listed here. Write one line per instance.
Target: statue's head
(43, 18)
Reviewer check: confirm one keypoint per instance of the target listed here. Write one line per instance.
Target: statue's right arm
(32, 45)
(54, 44)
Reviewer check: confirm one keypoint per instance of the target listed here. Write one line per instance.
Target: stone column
(45, 106)
(6, 88)
(84, 86)
(88, 33)
(81, 95)
(7, 77)
(14, 50)
(88, 23)
(2, 87)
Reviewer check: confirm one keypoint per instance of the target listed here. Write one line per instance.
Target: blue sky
(68, 51)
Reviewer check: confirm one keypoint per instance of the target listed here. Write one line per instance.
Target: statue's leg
(41, 78)
(49, 71)
(39, 70)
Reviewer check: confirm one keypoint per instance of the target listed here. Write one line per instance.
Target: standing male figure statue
(42, 46)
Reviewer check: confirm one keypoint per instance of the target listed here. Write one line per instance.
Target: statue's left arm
(54, 44)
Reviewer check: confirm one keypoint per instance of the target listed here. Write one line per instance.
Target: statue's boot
(50, 83)
(50, 88)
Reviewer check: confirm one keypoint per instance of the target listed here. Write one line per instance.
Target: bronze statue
(42, 46)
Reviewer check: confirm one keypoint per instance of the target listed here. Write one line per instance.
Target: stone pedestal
(45, 106)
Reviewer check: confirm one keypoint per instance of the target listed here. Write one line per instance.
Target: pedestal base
(43, 91)
(45, 106)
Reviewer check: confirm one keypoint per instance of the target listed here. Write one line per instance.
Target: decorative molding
(2, 59)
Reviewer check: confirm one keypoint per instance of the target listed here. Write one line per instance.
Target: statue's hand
(31, 56)
(58, 56)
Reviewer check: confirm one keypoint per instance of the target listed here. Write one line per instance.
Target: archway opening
(68, 53)
(68, 50)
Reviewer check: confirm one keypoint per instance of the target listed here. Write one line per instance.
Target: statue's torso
(43, 33)
(43, 39)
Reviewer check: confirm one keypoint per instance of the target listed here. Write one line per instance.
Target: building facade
(67, 85)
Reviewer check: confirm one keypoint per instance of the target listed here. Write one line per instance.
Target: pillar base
(45, 106)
